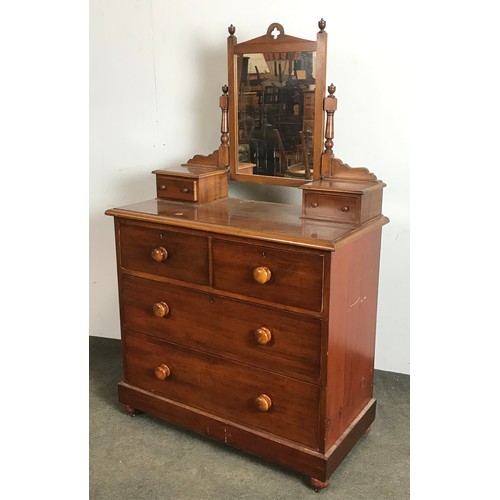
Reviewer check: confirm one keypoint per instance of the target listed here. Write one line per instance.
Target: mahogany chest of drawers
(248, 324)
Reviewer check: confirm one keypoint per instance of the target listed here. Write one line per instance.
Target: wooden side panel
(351, 332)
(212, 188)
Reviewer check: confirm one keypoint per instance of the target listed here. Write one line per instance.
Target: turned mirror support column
(224, 128)
(329, 106)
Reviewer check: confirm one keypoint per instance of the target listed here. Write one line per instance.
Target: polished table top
(257, 219)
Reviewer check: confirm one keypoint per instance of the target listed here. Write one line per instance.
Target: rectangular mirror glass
(276, 93)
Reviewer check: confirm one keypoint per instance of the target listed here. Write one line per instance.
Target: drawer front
(176, 189)
(283, 342)
(143, 249)
(294, 278)
(225, 388)
(334, 208)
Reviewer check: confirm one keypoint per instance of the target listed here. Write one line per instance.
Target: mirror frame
(282, 43)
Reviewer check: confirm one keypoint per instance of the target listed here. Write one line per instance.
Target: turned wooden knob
(262, 274)
(345, 209)
(159, 254)
(161, 309)
(314, 204)
(185, 190)
(263, 402)
(263, 335)
(162, 372)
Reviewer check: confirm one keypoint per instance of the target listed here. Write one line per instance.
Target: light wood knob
(263, 335)
(345, 209)
(162, 372)
(263, 402)
(314, 204)
(262, 274)
(161, 309)
(159, 254)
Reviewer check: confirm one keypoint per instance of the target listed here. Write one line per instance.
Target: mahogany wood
(268, 44)
(295, 279)
(269, 446)
(269, 222)
(352, 202)
(251, 322)
(294, 343)
(225, 388)
(351, 332)
(187, 253)
(192, 183)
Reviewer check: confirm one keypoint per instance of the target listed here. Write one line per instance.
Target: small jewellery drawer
(172, 254)
(176, 189)
(282, 342)
(243, 394)
(287, 277)
(334, 208)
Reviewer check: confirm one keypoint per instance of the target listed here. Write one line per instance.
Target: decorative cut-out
(275, 33)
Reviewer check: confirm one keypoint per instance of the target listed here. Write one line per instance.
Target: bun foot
(131, 411)
(318, 485)
(367, 431)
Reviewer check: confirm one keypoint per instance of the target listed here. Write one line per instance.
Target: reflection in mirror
(276, 113)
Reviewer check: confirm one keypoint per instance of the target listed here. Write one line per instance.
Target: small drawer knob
(163, 187)
(161, 309)
(185, 190)
(345, 209)
(162, 372)
(263, 335)
(314, 204)
(159, 254)
(262, 274)
(263, 402)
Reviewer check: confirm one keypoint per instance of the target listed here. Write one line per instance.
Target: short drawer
(286, 277)
(287, 343)
(176, 188)
(162, 252)
(241, 394)
(334, 208)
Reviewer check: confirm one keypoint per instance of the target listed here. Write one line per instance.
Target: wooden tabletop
(276, 222)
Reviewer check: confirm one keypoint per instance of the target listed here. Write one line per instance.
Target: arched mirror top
(276, 120)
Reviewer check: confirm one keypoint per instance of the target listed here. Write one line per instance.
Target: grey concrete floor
(143, 457)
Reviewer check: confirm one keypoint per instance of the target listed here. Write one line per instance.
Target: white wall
(156, 71)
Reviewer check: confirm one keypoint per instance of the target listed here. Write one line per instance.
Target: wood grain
(225, 388)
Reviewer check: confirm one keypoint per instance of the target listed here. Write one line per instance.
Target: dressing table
(253, 322)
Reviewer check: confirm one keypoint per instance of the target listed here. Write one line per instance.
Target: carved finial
(232, 30)
(225, 89)
(322, 24)
(331, 89)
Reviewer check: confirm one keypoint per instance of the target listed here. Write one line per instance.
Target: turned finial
(225, 89)
(331, 89)
(232, 30)
(322, 24)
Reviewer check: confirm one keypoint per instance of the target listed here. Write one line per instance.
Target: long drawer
(172, 254)
(236, 392)
(283, 276)
(269, 338)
